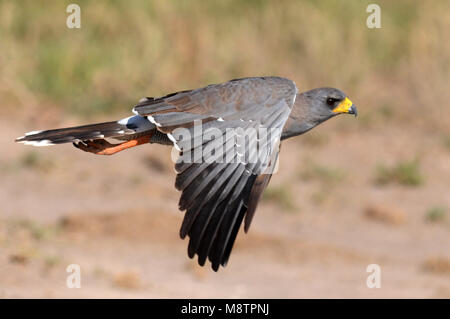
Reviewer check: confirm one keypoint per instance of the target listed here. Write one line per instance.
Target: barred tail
(129, 126)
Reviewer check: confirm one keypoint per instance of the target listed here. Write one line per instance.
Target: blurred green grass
(436, 214)
(405, 173)
(126, 50)
(281, 195)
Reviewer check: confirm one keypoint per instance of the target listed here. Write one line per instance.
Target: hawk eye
(331, 101)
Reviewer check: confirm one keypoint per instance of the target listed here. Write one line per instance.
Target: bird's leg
(102, 147)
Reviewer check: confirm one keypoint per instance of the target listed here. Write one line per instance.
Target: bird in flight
(248, 116)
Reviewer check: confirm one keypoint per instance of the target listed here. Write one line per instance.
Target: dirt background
(352, 192)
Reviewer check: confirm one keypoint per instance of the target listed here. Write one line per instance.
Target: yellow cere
(344, 106)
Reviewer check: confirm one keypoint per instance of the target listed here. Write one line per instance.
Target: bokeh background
(350, 193)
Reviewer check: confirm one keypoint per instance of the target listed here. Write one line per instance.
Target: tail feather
(129, 126)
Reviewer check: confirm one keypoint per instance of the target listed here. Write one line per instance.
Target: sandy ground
(117, 218)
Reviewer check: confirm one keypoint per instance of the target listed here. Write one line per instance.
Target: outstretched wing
(222, 176)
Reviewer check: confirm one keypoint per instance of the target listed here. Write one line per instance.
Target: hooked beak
(346, 106)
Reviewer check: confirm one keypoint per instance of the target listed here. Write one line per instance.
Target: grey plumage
(124, 129)
(217, 196)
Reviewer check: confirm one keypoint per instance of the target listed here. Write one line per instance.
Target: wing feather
(217, 195)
